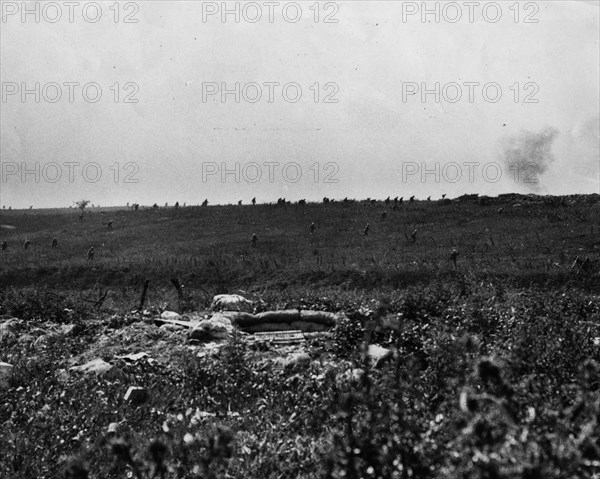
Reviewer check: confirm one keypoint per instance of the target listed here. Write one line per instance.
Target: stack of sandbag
(217, 327)
(231, 302)
(285, 320)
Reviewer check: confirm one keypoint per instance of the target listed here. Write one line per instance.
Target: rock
(217, 327)
(112, 430)
(298, 361)
(378, 355)
(136, 395)
(231, 302)
(67, 329)
(6, 371)
(97, 366)
(170, 315)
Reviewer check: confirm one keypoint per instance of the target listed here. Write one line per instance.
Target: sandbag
(285, 316)
(268, 327)
(214, 328)
(320, 317)
(309, 327)
(240, 319)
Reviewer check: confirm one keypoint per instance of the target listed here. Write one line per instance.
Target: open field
(494, 368)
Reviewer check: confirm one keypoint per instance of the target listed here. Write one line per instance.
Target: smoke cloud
(527, 156)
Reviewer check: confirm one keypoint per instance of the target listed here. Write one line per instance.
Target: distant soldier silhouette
(454, 257)
(91, 254)
(177, 205)
(205, 203)
(254, 200)
(240, 203)
(4, 245)
(366, 230)
(312, 228)
(26, 243)
(54, 242)
(254, 240)
(413, 236)
(109, 225)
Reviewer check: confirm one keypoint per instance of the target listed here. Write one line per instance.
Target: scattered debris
(280, 337)
(133, 357)
(378, 355)
(97, 366)
(172, 327)
(136, 395)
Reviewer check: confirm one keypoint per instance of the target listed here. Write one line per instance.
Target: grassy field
(494, 370)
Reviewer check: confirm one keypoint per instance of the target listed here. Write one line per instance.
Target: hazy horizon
(364, 131)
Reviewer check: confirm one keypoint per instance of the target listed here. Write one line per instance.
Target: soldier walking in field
(413, 236)
(254, 240)
(109, 225)
(26, 244)
(367, 229)
(454, 257)
(54, 243)
(312, 227)
(91, 254)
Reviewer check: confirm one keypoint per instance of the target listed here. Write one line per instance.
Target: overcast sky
(368, 133)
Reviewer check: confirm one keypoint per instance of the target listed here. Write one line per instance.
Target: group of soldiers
(27, 244)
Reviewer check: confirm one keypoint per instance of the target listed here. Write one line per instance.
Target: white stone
(231, 302)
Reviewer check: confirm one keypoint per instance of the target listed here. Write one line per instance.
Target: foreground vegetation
(494, 374)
